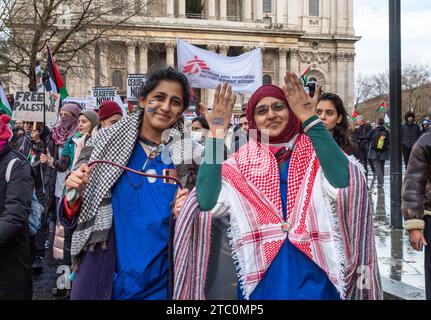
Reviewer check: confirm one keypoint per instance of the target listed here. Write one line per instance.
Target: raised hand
(302, 105)
(221, 114)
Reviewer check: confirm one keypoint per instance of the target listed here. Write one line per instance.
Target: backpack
(380, 141)
(34, 219)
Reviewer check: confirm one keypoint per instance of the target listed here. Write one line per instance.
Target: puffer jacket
(416, 192)
(15, 206)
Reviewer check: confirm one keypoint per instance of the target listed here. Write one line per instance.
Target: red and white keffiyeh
(335, 232)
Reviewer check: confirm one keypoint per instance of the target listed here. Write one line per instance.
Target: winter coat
(32, 151)
(15, 206)
(416, 191)
(374, 135)
(362, 135)
(410, 134)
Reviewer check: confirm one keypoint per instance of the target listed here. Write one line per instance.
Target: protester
(15, 205)
(364, 144)
(379, 149)
(32, 147)
(416, 202)
(109, 114)
(330, 109)
(56, 172)
(121, 221)
(199, 129)
(270, 192)
(411, 132)
(425, 126)
(241, 135)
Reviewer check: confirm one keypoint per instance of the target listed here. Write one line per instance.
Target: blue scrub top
(292, 275)
(141, 222)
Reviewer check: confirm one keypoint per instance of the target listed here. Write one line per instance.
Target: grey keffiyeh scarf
(116, 144)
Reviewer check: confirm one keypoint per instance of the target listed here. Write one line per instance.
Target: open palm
(221, 114)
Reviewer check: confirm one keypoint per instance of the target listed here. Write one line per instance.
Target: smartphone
(311, 88)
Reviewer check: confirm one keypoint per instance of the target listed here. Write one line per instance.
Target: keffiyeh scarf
(337, 234)
(116, 144)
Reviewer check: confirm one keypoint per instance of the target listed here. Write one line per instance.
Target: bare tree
(414, 79)
(363, 89)
(27, 26)
(380, 83)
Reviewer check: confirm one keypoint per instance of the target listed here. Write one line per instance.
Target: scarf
(116, 144)
(68, 126)
(294, 125)
(336, 234)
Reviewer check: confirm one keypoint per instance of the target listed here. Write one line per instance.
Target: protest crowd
(284, 188)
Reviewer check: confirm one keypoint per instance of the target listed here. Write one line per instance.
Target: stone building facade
(292, 34)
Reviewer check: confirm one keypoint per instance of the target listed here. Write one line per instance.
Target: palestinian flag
(382, 106)
(38, 74)
(57, 83)
(4, 103)
(355, 116)
(305, 75)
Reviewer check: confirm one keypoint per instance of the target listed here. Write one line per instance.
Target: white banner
(29, 106)
(101, 94)
(206, 69)
(82, 102)
(135, 82)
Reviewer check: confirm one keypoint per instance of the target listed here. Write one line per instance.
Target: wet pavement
(397, 259)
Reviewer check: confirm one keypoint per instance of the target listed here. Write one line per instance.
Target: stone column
(104, 62)
(182, 9)
(341, 76)
(333, 73)
(341, 17)
(294, 60)
(223, 50)
(170, 8)
(350, 82)
(131, 57)
(349, 5)
(292, 14)
(143, 57)
(280, 12)
(282, 55)
(223, 10)
(326, 16)
(211, 10)
(334, 17)
(246, 9)
(258, 11)
(170, 55)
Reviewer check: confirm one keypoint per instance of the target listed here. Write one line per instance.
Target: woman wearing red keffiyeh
(301, 219)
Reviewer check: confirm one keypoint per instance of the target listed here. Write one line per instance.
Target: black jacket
(362, 136)
(15, 206)
(410, 134)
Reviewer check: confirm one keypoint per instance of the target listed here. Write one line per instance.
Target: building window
(267, 6)
(267, 79)
(117, 79)
(313, 8)
(194, 9)
(117, 7)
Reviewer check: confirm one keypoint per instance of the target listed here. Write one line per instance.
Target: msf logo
(195, 66)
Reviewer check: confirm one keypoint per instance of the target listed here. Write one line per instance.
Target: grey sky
(371, 22)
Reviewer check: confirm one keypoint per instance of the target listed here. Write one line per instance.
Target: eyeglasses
(275, 106)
